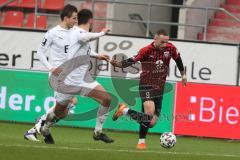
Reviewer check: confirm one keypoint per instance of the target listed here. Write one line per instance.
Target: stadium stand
(13, 4)
(41, 21)
(53, 4)
(100, 10)
(223, 27)
(13, 19)
(13, 14)
(29, 3)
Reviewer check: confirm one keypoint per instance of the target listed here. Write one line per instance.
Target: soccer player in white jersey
(80, 77)
(92, 89)
(58, 41)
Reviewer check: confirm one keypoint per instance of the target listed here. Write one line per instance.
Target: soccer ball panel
(168, 140)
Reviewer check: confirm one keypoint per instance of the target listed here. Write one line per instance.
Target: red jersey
(155, 64)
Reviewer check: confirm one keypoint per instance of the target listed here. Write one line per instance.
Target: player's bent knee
(151, 125)
(106, 101)
(62, 114)
(64, 102)
(153, 122)
(60, 110)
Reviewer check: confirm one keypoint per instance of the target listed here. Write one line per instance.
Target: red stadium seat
(29, 3)
(233, 2)
(220, 37)
(12, 4)
(53, 4)
(0, 18)
(224, 23)
(222, 15)
(41, 21)
(231, 8)
(100, 10)
(221, 29)
(13, 18)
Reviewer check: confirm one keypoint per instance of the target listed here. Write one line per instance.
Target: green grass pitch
(77, 144)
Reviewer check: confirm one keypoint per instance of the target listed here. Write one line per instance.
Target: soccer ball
(168, 140)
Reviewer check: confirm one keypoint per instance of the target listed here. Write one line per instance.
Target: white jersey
(80, 47)
(57, 40)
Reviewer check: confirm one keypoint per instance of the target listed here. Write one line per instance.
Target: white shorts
(85, 89)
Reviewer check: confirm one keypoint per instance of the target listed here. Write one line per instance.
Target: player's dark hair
(161, 32)
(84, 15)
(67, 11)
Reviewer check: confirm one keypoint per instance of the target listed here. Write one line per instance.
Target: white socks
(125, 111)
(101, 117)
(32, 130)
(50, 118)
(141, 141)
(70, 108)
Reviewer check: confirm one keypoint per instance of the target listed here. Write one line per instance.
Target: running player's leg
(152, 108)
(71, 105)
(59, 112)
(103, 98)
(148, 107)
(140, 117)
(52, 116)
(31, 134)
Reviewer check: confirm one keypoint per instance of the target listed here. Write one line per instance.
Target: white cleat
(31, 135)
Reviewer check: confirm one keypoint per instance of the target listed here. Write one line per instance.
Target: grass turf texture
(75, 143)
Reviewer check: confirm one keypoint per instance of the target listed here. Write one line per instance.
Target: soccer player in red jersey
(155, 59)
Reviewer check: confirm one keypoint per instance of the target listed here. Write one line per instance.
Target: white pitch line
(120, 150)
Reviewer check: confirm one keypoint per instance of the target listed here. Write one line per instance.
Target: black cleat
(48, 139)
(103, 137)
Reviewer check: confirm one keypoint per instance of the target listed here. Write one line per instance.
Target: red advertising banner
(207, 110)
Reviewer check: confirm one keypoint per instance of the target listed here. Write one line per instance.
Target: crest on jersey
(159, 64)
(166, 54)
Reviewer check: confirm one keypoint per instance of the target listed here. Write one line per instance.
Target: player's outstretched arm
(88, 36)
(103, 57)
(116, 63)
(122, 64)
(100, 56)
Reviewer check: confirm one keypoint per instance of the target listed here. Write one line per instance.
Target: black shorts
(148, 93)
